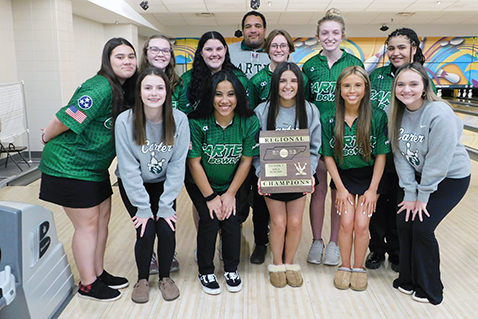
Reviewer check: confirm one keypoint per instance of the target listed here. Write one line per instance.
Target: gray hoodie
(153, 162)
(429, 144)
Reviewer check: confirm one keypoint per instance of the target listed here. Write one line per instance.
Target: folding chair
(13, 149)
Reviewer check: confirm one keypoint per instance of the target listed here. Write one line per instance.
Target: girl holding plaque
(354, 146)
(287, 109)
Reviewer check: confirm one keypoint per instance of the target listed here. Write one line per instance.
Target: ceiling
(169, 15)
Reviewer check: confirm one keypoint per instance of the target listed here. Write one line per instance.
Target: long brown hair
(364, 119)
(139, 118)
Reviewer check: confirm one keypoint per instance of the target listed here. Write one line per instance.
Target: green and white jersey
(86, 150)
(260, 86)
(381, 81)
(221, 149)
(180, 96)
(352, 154)
(322, 79)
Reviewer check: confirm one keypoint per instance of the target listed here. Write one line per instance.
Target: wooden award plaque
(285, 161)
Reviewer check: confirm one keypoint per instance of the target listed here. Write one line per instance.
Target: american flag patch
(76, 114)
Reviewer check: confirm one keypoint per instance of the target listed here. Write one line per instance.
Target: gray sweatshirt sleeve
(442, 141)
(176, 166)
(261, 113)
(406, 174)
(129, 166)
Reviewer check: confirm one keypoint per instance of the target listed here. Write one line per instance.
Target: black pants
(383, 224)
(207, 233)
(260, 212)
(419, 252)
(143, 248)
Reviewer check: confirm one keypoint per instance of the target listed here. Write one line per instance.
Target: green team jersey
(180, 96)
(381, 81)
(221, 149)
(260, 85)
(86, 150)
(352, 154)
(322, 79)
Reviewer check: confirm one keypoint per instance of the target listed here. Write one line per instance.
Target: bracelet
(211, 197)
(43, 139)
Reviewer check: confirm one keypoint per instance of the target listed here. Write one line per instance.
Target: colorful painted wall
(451, 62)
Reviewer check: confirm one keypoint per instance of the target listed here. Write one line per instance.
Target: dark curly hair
(414, 41)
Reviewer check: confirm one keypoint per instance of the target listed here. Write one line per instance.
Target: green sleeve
(197, 134)
(251, 144)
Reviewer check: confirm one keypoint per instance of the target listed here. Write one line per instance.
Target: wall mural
(451, 61)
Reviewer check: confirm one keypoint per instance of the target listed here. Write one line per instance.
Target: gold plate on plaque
(285, 161)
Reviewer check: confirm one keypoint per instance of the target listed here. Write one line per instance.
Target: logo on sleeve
(85, 102)
(76, 114)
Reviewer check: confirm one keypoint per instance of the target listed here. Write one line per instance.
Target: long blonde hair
(397, 108)
(364, 119)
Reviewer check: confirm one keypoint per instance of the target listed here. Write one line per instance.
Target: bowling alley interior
(50, 47)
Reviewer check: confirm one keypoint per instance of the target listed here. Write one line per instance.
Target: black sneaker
(259, 254)
(98, 291)
(209, 284)
(113, 281)
(233, 281)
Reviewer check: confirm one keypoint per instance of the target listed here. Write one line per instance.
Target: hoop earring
(424, 94)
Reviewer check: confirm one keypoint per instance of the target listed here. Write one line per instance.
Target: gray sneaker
(315, 252)
(174, 264)
(332, 254)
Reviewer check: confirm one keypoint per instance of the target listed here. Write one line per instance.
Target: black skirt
(357, 180)
(74, 193)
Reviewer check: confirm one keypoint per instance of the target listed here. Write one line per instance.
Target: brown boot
(293, 275)
(342, 278)
(277, 275)
(358, 279)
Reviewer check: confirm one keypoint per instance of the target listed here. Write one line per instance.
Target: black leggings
(143, 248)
(419, 253)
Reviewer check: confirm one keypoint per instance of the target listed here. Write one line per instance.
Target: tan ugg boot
(277, 275)
(358, 279)
(342, 278)
(293, 275)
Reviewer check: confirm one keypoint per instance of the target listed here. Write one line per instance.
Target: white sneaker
(315, 252)
(332, 254)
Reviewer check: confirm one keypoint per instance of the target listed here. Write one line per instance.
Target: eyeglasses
(156, 50)
(283, 46)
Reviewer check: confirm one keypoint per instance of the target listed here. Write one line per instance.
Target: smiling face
(409, 89)
(214, 53)
(254, 32)
(352, 90)
(225, 101)
(288, 86)
(330, 35)
(162, 57)
(153, 92)
(123, 62)
(400, 50)
(279, 49)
